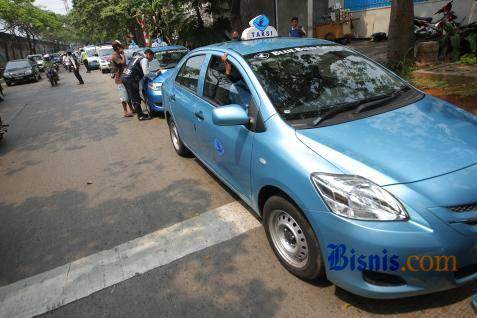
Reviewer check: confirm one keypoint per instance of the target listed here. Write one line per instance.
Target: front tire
(292, 239)
(8, 83)
(177, 143)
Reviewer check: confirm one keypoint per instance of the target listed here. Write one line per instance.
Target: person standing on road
(76, 66)
(119, 62)
(137, 68)
(84, 59)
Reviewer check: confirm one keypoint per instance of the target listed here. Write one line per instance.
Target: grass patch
(448, 87)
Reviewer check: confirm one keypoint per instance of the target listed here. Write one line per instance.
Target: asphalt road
(76, 178)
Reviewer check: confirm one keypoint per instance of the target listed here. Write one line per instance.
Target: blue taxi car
(166, 58)
(356, 175)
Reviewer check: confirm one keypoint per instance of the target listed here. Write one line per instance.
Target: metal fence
(358, 5)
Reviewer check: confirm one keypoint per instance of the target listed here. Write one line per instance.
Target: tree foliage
(23, 18)
(179, 21)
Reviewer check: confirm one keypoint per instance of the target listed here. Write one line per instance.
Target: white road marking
(49, 290)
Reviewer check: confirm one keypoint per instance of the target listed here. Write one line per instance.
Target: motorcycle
(52, 76)
(425, 28)
(67, 65)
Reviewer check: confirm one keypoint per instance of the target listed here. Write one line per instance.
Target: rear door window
(188, 75)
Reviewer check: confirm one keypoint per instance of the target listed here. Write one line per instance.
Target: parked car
(18, 71)
(166, 58)
(38, 59)
(93, 58)
(354, 172)
(105, 54)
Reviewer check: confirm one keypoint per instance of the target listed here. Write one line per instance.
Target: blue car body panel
(424, 153)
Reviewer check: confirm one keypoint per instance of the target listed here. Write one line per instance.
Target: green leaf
(472, 40)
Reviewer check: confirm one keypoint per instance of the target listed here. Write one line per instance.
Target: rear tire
(8, 83)
(176, 140)
(292, 239)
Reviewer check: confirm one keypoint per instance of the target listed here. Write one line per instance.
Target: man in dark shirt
(76, 66)
(119, 62)
(137, 68)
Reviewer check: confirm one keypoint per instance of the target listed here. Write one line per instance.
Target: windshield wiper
(360, 105)
(340, 108)
(379, 100)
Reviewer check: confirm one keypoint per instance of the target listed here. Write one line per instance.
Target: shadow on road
(42, 233)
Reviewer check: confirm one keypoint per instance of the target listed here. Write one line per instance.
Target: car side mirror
(230, 115)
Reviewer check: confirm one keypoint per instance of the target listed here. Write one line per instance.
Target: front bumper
(154, 100)
(406, 239)
(19, 78)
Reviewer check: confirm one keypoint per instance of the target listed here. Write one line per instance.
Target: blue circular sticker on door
(219, 147)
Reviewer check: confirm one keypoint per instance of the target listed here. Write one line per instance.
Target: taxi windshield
(168, 59)
(305, 82)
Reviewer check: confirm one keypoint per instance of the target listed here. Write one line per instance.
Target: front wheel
(292, 238)
(177, 143)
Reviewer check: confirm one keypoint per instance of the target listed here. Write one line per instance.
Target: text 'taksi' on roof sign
(259, 28)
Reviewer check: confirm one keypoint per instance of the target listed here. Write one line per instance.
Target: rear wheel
(292, 238)
(8, 83)
(177, 143)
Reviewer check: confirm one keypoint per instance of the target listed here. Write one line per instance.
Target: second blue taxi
(356, 175)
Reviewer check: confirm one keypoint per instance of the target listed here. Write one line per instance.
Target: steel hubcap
(175, 136)
(288, 238)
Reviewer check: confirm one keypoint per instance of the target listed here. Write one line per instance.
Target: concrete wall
(16, 47)
(251, 8)
(377, 20)
(285, 9)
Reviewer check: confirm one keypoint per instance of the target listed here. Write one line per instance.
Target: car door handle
(199, 115)
(172, 97)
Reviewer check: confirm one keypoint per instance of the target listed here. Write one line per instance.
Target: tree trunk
(235, 19)
(401, 32)
(33, 44)
(30, 47)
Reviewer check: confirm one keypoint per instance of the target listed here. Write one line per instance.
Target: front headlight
(358, 198)
(28, 72)
(156, 86)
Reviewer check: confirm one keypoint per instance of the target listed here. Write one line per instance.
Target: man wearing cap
(296, 31)
(137, 68)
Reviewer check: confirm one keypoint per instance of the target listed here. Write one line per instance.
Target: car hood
(163, 76)
(416, 142)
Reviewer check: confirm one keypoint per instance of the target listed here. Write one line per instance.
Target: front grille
(464, 208)
(383, 279)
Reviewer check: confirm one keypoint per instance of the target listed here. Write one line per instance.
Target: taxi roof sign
(259, 28)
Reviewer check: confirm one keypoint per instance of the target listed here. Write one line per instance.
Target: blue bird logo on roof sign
(261, 22)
